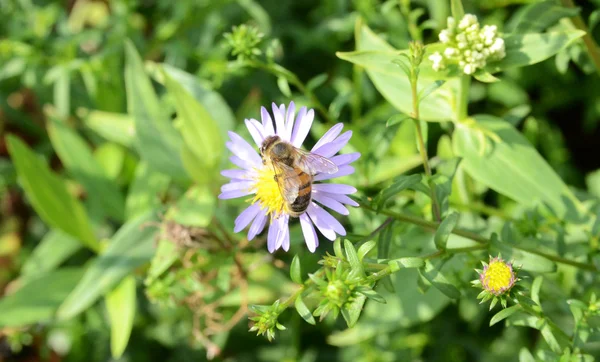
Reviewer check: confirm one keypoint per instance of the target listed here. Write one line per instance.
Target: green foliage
(115, 120)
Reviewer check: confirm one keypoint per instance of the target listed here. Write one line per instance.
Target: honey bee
(294, 170)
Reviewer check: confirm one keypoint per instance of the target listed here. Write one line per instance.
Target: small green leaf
(316, 81)
(457, 9)
(166, 254)
(79, 160)
(115, 127)
(296, 271)
(439, 280)
(371, 294)
(365, 248)
(353, 259)
(399, 184)
(337, 248)
(195, 208)
(397, 119)
(130, 247)
(284, 86)
(408, 262)
(121, 306)
(535, 289)
(303, 310)
(53, 250)
(58, 208)
(444, 230)
(504, 313)
(485, 77)
(385, 241)
(37, 300)
(351, 311)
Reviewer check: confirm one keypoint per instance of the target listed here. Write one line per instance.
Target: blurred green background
(63, 64)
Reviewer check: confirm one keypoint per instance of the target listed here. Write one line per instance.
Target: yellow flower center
(498, 277)
(268, 193)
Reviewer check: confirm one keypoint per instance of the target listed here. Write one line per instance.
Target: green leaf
(166, 254)
(37, 300)
(439, 280)
(351, 311)
(158, 142)
(527, 260)
(377, 57)
(130, 247)
(296, 271)
(303, 310)
(284, 86)
(504, 313)
(485, 77)
(399, 184)
(423, 93)
(371, 294)
(145, 191)
(111, 158)
(365, 248)
(535, 289)
(385, 241)
(353, 259)
(507, 167)
(121, 305)
(199, 130)
(396, 119)
(53, 250)
(77, 157)
(212, 101)
(316, 81)
(195, 208)
(537, 17)
(444, 230)
(408, 262)
(58, 208)
(115, 127)
(457, 9)
(526, 49)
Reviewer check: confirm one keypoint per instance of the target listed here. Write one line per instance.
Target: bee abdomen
(303, 200)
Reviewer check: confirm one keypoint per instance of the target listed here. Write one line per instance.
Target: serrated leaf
(121, 306)
(130, 247)
(504, 313)
(296, 271)
(439, 280)
(58, 208)
(303, 310)
(444, 230)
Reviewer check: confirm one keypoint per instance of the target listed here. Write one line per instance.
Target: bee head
(267, 144)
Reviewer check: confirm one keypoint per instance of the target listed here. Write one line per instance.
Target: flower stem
(589, 42)
(462, 101)
(433, 226)
(422, 148)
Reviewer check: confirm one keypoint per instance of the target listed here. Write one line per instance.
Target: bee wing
(313, 164)
(288, 181)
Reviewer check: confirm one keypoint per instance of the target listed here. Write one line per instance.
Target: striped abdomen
(304, 193)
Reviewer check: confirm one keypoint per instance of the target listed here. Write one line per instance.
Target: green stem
(422, 148)
(462, 101)
(433, 226)
(590, 44)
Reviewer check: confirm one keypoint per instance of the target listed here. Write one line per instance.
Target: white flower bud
(451, 22)
(469, 69)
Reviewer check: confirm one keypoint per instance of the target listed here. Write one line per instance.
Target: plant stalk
(588, 40)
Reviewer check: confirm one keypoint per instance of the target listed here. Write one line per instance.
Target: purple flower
(255, 178)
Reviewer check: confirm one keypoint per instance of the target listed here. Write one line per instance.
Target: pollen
(498, 276)
(268, 194)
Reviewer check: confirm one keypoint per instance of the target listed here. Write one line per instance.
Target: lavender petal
(325, 229)
(237, 174)
(267, 122)
(289, 121)
(340, 198)
(310, 235)
(330, 203)
(326, 218)
(341, 160)
(246, 217)
(272, 236)
(239, 185)
(257, 225)
(335, 188)
(331, 148)
(279, 114)
(342, 171)
(329, 135)
(242, 149)
(302, 126)
(256, 131)
(234, 194)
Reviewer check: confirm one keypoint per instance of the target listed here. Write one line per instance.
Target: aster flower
(256, 178)
(468, 45)
(496, 279)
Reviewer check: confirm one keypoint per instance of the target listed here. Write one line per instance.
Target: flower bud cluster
(244, 41)
(266, 319)
(468, 45)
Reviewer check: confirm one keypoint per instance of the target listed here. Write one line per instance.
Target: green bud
(244, 41)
